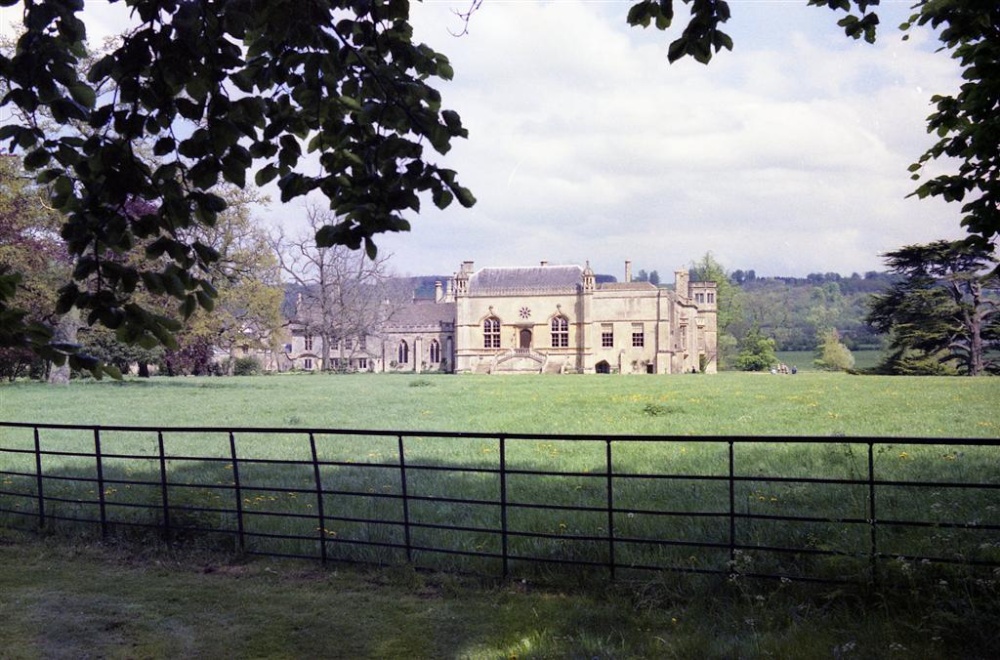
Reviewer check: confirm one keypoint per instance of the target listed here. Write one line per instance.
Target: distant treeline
(871, 282)
(795, 310)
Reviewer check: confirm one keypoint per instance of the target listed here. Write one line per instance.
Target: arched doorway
(525, 338)
(602, 367)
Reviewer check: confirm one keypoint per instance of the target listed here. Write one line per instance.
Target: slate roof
(537, 279)
(627, 286)
(422, 314)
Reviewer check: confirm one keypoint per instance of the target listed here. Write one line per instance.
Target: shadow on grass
(573, 523)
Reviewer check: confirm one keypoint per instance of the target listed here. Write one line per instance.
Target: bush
(832, 354)
(757, 352)
(246, 366)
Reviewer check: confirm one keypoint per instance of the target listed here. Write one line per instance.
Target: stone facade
(556, 319)
(542, 319)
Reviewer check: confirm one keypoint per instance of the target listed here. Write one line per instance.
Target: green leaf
(265, 175)
(83, 94)
(677, 49)
(442, 198)
(640, 14)
(164, 146)
(206, 301)
(465, 197)
(189, 306)
(37, 159)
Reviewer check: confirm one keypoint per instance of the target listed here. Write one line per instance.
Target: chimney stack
(628, 270)
(682, 283)
(544, 263)
(438, 292)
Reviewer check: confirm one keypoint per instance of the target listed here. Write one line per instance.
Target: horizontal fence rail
(808, 509)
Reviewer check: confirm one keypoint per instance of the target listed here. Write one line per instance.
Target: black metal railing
(813, 509)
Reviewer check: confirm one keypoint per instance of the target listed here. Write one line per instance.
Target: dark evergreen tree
(943, 310)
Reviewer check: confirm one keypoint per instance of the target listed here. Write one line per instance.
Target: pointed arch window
(404, 352)
(560, 332)
(435, 351)
(491, 332)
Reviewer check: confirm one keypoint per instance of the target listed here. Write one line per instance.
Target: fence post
(319, 496)
(611, 506)
(406, 502)
(503, 506)
(236, 488)
(100, 481)
(39, 480)
(163, 485)
(873, 549)
(732, 506)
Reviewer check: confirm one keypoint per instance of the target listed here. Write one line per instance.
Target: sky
(787, 156)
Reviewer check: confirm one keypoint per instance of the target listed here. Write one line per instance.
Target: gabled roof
(422, 314)
(627, 286)
(537, 279)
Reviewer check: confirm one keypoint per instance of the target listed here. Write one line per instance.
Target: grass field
(116, 602)
(804, 360)
(836, 406)
(811, 403)
(656, 617)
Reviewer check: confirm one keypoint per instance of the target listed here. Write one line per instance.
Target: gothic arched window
(560, 332)
(491, 332)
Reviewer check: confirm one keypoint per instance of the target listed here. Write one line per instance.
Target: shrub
(832, 354)
(246, 366)
(757, 352)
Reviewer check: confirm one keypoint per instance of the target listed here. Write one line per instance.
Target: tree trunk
(325, 353)
(65, 331)
(975, 325)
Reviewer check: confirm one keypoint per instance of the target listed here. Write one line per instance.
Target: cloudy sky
(787, 156)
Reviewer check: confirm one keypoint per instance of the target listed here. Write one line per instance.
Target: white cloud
(787, 156)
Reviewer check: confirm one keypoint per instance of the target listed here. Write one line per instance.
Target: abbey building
(536, 319)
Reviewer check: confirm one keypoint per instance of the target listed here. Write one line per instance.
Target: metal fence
(814, 509)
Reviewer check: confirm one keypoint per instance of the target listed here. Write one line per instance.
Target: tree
(728, 303)
(827, 305)
(102, 343)
(967, 123)
(233, 89)
(222, 91)
(943, 309)
(832, 354)
(33, 258)
(342, 295)
(756, 352)
(247, 310)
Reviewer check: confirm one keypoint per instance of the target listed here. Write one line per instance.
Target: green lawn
(809, 403)
(804, 360)
(124, 605)
(835, 406)
(83, 600)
